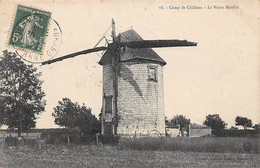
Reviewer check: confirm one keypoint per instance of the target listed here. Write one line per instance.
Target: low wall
(31, 135)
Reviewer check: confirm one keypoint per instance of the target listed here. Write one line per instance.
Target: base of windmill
(155, 133)
(152, 133)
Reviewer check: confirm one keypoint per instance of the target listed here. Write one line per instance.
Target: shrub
(88, 139)
(58, 138)
(11, 141)
(236, 133)
(109, 139)
(62, 138)
(221, 145)
(30, 142)
(14, 141)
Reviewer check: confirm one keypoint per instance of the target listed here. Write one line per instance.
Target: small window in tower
(152, 74)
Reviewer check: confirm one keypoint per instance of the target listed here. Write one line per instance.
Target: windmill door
(108, 126)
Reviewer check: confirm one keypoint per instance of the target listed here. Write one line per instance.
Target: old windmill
(133, 102)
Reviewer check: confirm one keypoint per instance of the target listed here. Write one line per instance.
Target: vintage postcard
(129, 83)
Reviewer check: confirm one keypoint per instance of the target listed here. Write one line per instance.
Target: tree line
(214, 121)
(22, 101)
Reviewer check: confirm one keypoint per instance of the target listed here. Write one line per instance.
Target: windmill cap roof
(129, 54)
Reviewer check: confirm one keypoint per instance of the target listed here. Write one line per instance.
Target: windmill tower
(132, 83)
(140, 100)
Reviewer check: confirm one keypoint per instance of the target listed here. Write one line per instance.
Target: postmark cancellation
(35, 36)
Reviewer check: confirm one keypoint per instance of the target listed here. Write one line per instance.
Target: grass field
(206, 144)
(110, 156)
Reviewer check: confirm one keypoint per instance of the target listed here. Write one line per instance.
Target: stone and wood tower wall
(140, 99)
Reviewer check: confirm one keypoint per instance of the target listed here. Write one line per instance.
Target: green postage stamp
(29, 29)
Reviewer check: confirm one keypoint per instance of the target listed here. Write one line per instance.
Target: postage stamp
(29, 28)
(35, 36)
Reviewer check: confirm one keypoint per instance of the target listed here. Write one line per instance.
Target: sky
(219, 76)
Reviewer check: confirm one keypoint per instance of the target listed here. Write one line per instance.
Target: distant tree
(100, 115)
(256, 126)
(87, 122)
(100, 119)
(21, 94)
(215, 122)
(180, 120)
(2, 112)
(66, 113)
(243, 121)
(166, 120)
(71, 115)
(233, 128)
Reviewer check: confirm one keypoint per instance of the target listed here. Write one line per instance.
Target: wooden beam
(157, 43)
(75, 54)
(115, 70)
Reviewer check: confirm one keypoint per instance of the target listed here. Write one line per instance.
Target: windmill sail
(130, 44)
(157, 43)
(75, 54)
